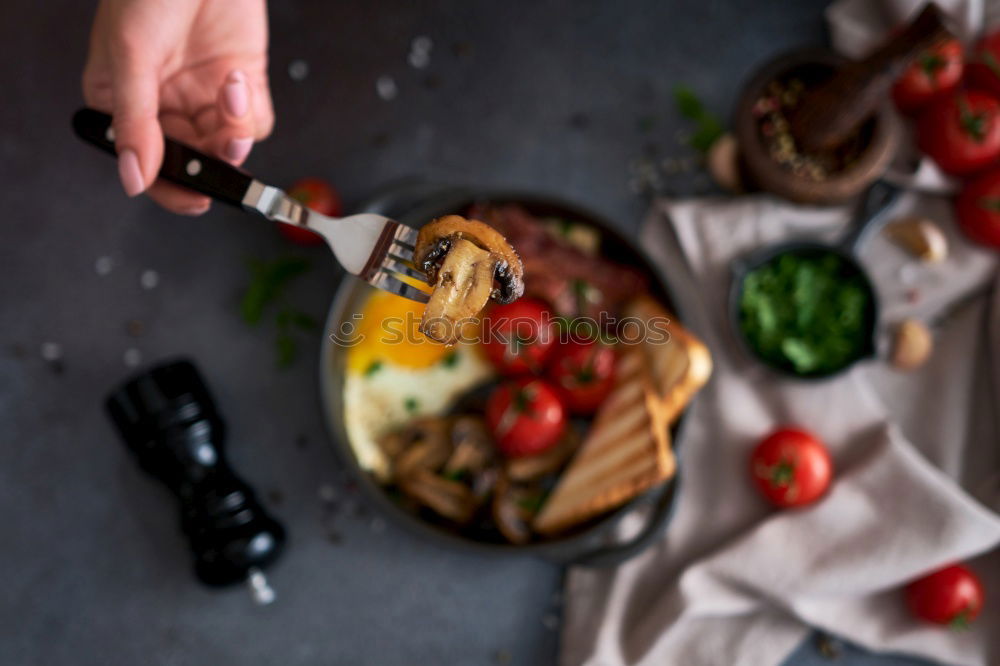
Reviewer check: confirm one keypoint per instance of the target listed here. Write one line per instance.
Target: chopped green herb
(807, 312)
(372, 368)
(411, 404)
(450, 359)
(532, 503)
(455, 474)
(688, 102)
(708, 128)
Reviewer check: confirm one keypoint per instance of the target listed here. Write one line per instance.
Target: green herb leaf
(708, 128)
(304, 321)
(286, 350)
(266, 283)
(372, 368)
(708, 132)
(411, 404)
(450, 359)
(688, 103)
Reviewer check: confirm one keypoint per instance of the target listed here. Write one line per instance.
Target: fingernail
(238, 149)
(130, 173)
(195, 210)
(235, 93)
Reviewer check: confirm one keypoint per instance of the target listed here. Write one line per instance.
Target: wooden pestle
(832, 110)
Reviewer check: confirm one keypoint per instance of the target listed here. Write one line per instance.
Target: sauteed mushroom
(468, 263)
(514, 507)
(551, 461)
(425, 446)
(474, 448)
(449, 499)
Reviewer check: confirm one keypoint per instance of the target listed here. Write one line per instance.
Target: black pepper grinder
(168, 420)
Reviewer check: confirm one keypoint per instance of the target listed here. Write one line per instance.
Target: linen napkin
(734, 582)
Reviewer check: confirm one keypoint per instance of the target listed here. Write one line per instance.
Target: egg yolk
(390, 329)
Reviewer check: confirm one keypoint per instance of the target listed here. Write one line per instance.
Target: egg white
(382, 401)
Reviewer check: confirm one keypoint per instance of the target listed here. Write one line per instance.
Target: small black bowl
(870, 215)
(743, 267)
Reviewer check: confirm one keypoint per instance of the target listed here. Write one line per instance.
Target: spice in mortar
(772, 110)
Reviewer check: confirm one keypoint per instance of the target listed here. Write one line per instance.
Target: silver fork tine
(407, 235)
(388, 282)
(393, 265)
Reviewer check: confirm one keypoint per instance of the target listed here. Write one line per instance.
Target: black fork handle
(182, 164)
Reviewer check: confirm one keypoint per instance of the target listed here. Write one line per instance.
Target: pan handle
(615, 554)
(870, 215)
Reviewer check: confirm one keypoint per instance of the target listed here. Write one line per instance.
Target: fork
(373, 247)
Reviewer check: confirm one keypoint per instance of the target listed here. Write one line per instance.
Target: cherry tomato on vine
(961, 132)
(519, 337)
(526, 417)
(977, 209)
(791, 467)
(952, 596)
(583, 373)
(320, 197)
(937, 71)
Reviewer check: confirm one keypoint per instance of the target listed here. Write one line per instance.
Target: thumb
(135, 117)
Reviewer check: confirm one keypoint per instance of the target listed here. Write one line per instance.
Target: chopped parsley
(411, 404)
(707, 127)
(807, 312)
(450, 359)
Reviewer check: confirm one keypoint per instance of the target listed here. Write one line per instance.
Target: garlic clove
(920, 237)
(912, 345)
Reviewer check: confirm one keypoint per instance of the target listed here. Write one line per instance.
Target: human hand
(193, 69)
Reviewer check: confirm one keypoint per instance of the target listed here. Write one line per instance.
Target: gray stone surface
(95, 571)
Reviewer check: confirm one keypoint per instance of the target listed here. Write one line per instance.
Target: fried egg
(395, 374)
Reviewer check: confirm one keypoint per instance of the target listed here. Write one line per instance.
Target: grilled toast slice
(681, 365)
(628, 448)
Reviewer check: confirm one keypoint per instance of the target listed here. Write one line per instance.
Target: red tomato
(317, 195)
(519, 336)
(983, 69)
(791, 467)
(978, 209)
(583, 373)
(953, 595)
(937, 71)
(961, 132)
(526, 417)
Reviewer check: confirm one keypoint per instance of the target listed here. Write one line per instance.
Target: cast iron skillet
(414, 204)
